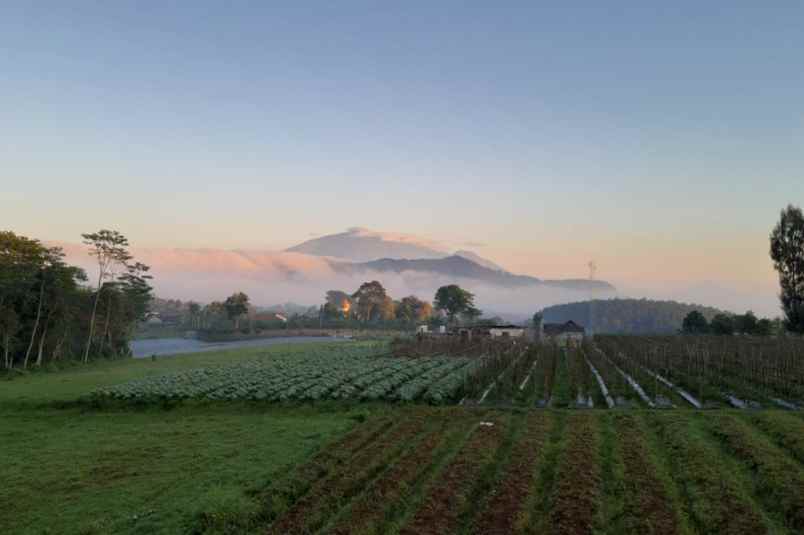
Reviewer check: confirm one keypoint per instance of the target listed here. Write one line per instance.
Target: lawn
(68, 469)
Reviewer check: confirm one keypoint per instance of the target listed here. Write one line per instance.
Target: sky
(659, 139)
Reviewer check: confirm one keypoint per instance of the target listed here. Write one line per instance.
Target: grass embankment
(68, 469)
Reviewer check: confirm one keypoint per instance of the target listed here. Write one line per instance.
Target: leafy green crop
(339, 373)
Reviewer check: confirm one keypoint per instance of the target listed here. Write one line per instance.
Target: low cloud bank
(273, 277)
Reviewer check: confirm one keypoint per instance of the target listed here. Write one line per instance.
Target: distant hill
(477, 259)
(458, 266)
(626, 316)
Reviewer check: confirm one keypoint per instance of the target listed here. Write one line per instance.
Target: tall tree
(50, 266)
(368, 299)
(787, 252)
(60, 300)
(456, 301)
(136, 292)
(21, 263)
(236, 305)
(110, 249)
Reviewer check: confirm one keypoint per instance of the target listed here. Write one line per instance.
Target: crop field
(712, 371)
(508, 439)
(606, 372)
(334, 373)
(457, 470)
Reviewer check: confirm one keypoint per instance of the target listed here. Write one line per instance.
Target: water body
(175, 346)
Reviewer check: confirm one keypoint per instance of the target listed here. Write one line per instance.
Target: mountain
(461, 267)
(277, 277)
(363, 245)
(477, 259)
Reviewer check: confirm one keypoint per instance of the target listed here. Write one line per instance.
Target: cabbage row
(337, 373)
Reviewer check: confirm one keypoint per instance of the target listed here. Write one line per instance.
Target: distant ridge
(626, 316)
(477, 259)
(458, 266)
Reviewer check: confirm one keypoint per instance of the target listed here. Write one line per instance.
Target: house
(152, 318)
(490, 331)
(506, 331)
(565, 334)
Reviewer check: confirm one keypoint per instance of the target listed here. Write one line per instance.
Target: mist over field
(276, 277)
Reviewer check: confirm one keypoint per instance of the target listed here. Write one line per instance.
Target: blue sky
(625, 131)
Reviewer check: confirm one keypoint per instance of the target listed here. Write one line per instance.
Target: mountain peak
(360, 244)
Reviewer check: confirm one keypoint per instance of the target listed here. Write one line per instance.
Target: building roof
(553, 329)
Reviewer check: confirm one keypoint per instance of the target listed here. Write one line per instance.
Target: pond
(175, 346)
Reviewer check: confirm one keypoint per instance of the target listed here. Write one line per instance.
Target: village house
(506, 331)
(564, 334)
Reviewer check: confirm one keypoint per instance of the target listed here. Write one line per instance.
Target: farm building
(569, 333)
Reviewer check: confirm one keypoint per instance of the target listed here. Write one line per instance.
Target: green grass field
(343, 468)
(69, 469)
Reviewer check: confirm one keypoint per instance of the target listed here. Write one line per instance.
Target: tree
(722, 324)
(746, 323)
(194, 309)
(62, 298)
(387, 309)
(368, 299)
(694, 323)
(137, 296)
(787, 253)
(9, 325)
(764, 327)
(236, 305)
(338, 304)
(110, 249)
(424, 312)
(412, 309)
(456, 301)
(50, 266)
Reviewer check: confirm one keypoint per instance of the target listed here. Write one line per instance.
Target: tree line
(725, 324)
(369, 306)
(370, 303)
(50, 311)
